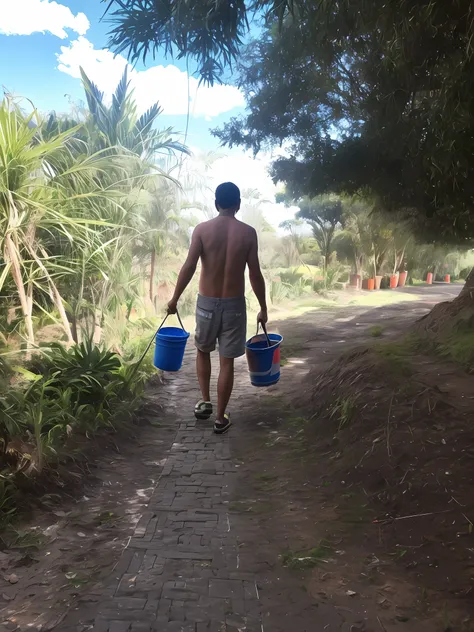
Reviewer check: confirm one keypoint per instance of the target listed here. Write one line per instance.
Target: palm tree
(324, 215)
(163, 226)
(119, 125)
(29, 202)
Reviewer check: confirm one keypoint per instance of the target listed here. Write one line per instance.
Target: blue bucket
(170, 343)
(264, 360)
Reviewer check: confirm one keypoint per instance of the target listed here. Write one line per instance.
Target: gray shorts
(223, 320)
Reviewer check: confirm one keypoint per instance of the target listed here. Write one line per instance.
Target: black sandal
(221, 427)
(203, 410)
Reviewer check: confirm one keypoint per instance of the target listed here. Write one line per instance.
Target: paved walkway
(181, 570)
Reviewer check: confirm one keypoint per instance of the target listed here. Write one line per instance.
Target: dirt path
(184, 531)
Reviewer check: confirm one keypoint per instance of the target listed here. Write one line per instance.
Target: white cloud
(166, 84)
(24, 17)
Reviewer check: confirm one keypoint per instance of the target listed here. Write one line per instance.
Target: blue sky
(44, 42)
(32, 65)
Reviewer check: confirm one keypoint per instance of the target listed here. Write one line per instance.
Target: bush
(80, 389)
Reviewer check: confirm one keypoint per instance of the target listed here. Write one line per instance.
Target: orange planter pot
(393, 281)
(447, 278)
(429, 278)
(370, 284)
(402, 279)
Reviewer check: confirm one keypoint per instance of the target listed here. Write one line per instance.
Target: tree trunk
(62, 312)
(152, 273)
(74, 327)
(97, 326)
(468, 289)
(11, 255)
(446, 317)
(56, 296)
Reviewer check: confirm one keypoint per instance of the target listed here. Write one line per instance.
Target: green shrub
(79, 389)
(376, 331)
(291, 277)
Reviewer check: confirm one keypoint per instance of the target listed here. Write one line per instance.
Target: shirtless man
(225, 246)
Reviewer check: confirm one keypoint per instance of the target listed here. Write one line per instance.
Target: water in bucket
(170, 344)
(264, 360)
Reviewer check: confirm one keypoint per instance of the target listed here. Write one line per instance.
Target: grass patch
(459, 346)
(266, 478)
(287, 352)
(306, 559)
(397, 355)
(258, 507)
(343, 410)
(375, 331)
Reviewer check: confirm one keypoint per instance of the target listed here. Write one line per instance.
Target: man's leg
(225, 384)
(203, 370)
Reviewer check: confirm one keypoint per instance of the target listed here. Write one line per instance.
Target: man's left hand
(172, 307)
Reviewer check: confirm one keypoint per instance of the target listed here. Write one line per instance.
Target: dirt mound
(395, 428)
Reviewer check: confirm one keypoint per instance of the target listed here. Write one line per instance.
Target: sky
(43, 43)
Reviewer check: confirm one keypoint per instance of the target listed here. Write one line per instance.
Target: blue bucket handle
(164, 320)
(154, 338)
(260, 323)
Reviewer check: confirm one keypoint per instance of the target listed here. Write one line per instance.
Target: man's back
(226, 244)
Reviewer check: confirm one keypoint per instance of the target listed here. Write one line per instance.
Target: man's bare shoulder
(247, 229)
(203, 227)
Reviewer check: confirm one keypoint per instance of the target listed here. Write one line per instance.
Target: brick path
(181, 570)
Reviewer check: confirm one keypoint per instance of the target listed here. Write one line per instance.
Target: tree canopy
(362, 96)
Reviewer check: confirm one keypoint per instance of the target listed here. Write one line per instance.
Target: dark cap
(227, 195)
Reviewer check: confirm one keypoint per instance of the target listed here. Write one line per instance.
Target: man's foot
(221, 427)
(203, 410)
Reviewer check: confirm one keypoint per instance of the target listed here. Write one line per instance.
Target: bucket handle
(260, 323)
(153, 338)
(164, 320)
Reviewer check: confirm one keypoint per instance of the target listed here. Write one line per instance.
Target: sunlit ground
(297, 307)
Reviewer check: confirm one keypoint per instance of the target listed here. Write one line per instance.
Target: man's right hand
(262, 317)
(172, 307)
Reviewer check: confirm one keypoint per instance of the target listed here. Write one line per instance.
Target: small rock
(7, 597)
(351, 593)
(81, 535)
(12, 579)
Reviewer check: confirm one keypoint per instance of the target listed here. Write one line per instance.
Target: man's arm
(187, 271)
(256, 278)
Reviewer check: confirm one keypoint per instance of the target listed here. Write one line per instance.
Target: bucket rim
(163, 332)
(277, 342)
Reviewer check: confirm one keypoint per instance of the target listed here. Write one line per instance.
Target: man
(225, 246)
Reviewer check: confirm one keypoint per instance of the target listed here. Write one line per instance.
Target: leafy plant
(306, 559)
(376, 331)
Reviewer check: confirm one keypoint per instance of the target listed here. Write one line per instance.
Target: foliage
(306, 559)
(81, 204)
(335, 276)
(324, 215)
(368, 97)
(79, 389)
(119, 125)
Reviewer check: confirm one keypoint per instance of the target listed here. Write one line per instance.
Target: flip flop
(203, 410)
(221, 427)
